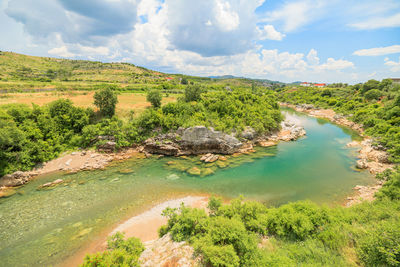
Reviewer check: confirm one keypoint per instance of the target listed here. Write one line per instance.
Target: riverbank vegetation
(375, 105)
(242, 233)
(31, 135)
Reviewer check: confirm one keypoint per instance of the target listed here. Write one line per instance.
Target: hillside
(24, 73)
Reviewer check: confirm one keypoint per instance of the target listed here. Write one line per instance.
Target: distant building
(169, 78)
(305, 84)
(395, 80)
(320, 84)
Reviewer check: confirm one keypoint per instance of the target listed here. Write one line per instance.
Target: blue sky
(308, 40)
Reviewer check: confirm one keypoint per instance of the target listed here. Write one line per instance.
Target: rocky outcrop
(15, 179)
(201, 140)
(291, 131)
(107, 147)
(165, 252)
(193, 141)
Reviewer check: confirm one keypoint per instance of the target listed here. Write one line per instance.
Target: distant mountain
(224, 77)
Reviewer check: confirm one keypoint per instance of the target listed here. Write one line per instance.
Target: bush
(193, 92)
(119, 252)
(381, 245)
(154, 97)
(106, 100)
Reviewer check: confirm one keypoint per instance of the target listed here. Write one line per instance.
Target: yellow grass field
(126, 101)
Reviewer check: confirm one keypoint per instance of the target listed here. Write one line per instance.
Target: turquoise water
(43, 227)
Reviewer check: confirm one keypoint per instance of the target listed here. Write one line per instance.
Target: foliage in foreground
(302, 233)
(119, 252)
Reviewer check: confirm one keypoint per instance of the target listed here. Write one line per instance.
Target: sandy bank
(70, 162)
(145, 227)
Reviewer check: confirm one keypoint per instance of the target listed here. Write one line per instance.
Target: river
(44, 227)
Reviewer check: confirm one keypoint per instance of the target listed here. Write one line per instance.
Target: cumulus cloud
(378, 51)
(212, 27)
(333, 64)
(312, 57)
(61, 51)
(76, 21)
(394, 66)
(269, 32)
(390, 21)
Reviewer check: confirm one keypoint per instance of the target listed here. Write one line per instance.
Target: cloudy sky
(307, 40)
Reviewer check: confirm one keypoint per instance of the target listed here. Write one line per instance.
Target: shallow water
(43, 227)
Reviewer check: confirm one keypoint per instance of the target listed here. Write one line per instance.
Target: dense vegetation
(243, 233)
(119, 252)
(296, 234)
(33, 135)
(375, 105)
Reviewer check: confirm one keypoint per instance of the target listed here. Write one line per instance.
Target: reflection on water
(42, 227)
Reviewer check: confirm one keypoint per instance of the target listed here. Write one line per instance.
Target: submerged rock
(209, 157)
(194, 171)
(55, 182)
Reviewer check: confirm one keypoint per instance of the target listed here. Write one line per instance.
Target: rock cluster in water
(200, 140)
(193, 141)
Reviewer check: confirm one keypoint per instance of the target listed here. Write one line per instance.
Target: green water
(43, 227)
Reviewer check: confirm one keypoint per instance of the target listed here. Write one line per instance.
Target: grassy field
(126, 101)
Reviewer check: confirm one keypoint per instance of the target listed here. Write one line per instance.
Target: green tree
(373, 94)
(193, 93)
(184, 81)
(154, 97)
(106, 100)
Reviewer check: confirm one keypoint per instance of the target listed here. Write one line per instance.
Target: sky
(294, 40)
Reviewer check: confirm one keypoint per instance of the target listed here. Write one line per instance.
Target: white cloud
(390, 21)
(394, 66)
(333, 64)
(378, 51)
(269, 32)
(61, 51)
(101, 50)
(295, 15)
(312, 57)
(228, 19)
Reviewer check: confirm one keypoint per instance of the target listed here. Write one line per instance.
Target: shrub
(106, 100)
(119, 252)
(381, 245)
(154, 97)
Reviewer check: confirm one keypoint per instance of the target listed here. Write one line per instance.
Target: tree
(184, 81)
(371, 84)
(106, 100)
(373, 94)
(193, 92)
(154, 97)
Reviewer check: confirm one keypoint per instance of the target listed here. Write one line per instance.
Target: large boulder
(192, 141)
(202, 140)
(15, 179)
(107, 147)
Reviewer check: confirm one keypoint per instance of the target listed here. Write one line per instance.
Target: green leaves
(119, 252)
(106, 100)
